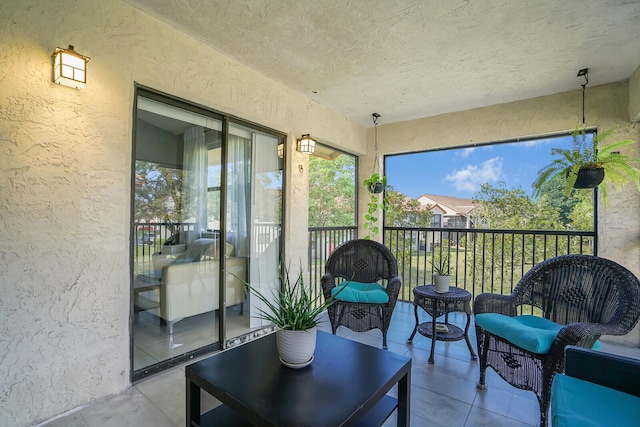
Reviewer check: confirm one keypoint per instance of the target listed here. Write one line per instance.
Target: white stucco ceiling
(407, 59)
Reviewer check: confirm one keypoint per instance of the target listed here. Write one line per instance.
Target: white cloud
(465, 152)
(471, 177)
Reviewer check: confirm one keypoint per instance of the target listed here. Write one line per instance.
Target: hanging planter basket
(377, 188)
(589, 177)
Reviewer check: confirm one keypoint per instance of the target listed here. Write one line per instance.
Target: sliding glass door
(254, 212)
(206, 217)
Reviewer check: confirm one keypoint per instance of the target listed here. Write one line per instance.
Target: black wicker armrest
(393, 287)
(494, 303)
(327, 282)
(573, 333)
(606, 369)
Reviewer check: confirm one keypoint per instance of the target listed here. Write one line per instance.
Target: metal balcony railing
(479, 260)
(149, 237)
(322, 241)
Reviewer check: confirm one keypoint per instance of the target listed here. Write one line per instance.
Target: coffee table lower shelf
(454, 334)
(223, 416)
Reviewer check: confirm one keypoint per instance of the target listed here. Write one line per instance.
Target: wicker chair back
(364, 261)
(589, 295)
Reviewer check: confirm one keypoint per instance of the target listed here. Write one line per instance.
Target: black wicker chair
(588, 295)
(363, 261)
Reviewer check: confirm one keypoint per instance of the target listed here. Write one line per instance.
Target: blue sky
(460, 172)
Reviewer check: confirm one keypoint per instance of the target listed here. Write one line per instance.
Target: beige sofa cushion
(189, 289)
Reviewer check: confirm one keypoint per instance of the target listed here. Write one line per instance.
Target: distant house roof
(452, 205)
(139, 181)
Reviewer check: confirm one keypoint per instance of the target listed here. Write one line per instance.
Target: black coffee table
(345, 385)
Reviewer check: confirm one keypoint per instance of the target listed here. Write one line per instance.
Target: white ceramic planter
(296, 348)
(441, 283)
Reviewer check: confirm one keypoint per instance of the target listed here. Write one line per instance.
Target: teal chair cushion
(532, 333)
(349, 291)
(578, 403)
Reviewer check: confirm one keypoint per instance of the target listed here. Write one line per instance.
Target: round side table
(436, 305)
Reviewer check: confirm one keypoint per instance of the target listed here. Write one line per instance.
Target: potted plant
(441, 277)
(375, 185)
(585, 164)
(294, 311)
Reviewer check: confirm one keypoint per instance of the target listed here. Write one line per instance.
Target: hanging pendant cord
(586, 77)
(375, 144)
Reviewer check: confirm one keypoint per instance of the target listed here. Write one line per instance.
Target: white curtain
(239, 194)
(253, 225)
(194, 182)
(265, 222)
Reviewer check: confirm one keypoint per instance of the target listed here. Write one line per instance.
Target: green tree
(554, 190)
(499, 207)
(511, 209)
(405, 211)
(158, 194)
(332, 191)
(581, 217)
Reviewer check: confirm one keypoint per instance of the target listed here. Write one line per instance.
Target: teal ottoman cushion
(349, 291)
(578, 403)
(532, 333)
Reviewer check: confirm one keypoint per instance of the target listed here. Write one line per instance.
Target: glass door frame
(227, 120)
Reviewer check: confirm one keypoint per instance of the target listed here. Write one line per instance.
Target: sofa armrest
(609, 370)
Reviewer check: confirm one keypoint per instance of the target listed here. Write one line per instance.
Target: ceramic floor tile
(73, 420)
(511, 403)
(416, 420)
(460, 367)
(129, 409)
(430, 378)
(167, 392)
(479, 417)
(442, 394)
(436, 409)
(524, 408)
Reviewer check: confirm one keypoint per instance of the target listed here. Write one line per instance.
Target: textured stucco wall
(634, 96)
(65, 169)
(606, 107)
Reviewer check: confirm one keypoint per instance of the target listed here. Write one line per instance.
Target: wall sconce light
(69, 67)
(306, 144)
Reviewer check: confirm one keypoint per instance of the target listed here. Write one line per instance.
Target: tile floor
(443, 394)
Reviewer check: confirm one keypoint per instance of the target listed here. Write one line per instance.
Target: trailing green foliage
(618, 168)
(374, 204)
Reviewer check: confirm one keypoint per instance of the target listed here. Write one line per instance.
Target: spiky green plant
(296, 308)
(440, 264)
(618, 168)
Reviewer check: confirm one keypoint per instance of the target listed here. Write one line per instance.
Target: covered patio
(66, 272)
(443, 394)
